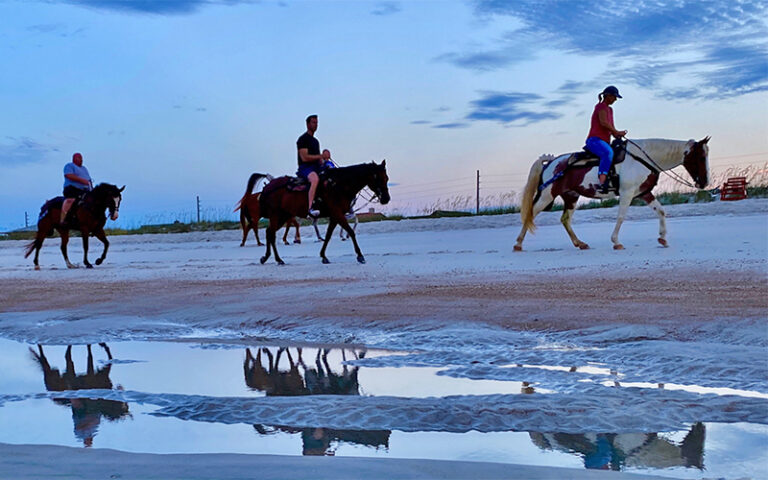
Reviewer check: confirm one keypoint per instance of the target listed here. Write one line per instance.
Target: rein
(654, 167)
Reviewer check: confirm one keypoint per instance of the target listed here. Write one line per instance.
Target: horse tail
(529, 193)
(249, 188)
(31, 246)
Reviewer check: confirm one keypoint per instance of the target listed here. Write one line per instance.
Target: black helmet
(611, 90)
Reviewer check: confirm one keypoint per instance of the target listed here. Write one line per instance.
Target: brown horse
(338, 189)
(250, 214)
(87, 215)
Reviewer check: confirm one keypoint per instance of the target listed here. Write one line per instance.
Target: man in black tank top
(310, 160)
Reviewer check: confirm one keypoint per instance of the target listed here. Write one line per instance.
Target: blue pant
(604, 151)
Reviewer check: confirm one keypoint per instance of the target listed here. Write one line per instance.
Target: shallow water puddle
(30, 413)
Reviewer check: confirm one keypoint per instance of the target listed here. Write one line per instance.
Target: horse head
(111, 196)
(696, 161)
(377, 181)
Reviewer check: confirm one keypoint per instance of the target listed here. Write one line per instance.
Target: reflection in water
(317, 379)
(612, 451)
(86, 412)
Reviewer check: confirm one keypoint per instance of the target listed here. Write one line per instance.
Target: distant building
(371, 214)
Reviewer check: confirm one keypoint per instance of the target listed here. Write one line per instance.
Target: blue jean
(604, 151)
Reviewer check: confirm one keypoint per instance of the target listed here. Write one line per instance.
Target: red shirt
(598, 130)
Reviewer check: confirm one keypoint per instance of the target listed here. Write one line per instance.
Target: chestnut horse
(338, 188)
(87, 216)
(638, 174)
(250, 214)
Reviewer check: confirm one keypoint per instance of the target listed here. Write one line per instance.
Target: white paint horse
(638, 175)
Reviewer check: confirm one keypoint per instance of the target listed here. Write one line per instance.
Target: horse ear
(384, 163)
(120, 190)
(705, 140)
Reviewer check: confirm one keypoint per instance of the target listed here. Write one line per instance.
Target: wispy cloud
(58, 29)
(23, 151)
(420, 122)
(386, 8)
(451, 125)
(725, 44)
(155, 7)
(510, 108)
(488, 60)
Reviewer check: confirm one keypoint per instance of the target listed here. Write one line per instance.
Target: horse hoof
(37, 267)
(88, 265)
(618, 246)
(263, 260)
(518, 248)
(361, 259)
(583, 246)
(99, 261)
(663, 242)
(280, 262)
(72, 265)
(297, 241)
(326, 261)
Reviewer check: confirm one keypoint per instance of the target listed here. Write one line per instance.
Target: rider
(310, 160)
(599, 138)
(77, 181)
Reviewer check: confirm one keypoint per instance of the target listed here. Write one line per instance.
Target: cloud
(156, 7)
(488, 60)
(23, 151)
(386, 8)
(509, 108)
(726, 42)
(420, 122)
(451, 125)
(54, 29)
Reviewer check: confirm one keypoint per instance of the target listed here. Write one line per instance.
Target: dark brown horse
(250, 214)
(337, 190)
(88, 217)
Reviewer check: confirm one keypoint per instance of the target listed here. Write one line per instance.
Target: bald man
(77, 181)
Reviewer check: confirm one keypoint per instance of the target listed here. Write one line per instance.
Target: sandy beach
(451, 290)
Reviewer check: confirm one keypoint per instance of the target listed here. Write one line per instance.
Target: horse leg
(317, 230)
(656, 206)
(328, 234)
(255, 226)
(285, 235)
(269, 245)
(64, 233)
(297, 236)
(624, 201)
(39, 239)
(272, 235)
(545, 199)
(85, 234)
(103, 237)
(570, 199)
(244, 226)
(351, 234)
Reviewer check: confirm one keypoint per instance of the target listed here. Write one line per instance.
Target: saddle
(56, 202)
(586, 158)
(293, 184)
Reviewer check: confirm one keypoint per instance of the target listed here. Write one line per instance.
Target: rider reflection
(262, 373)
(86, 412)
(615, 451)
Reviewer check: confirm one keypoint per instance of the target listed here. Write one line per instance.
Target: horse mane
(344, 174)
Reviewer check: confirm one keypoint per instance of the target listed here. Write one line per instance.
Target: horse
(338, 188)
(569, 177)
(88, 217)
(250, 214)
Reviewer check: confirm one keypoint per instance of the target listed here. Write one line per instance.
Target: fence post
(198, 209)
(477, 198)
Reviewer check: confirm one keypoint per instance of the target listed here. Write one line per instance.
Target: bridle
(655, 168)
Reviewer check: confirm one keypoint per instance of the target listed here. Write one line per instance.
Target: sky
(179, 99)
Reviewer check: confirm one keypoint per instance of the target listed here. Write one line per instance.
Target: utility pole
(198, 209)
(26, 220)
(477, 207)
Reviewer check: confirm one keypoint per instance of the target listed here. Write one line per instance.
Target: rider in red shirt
(599, 138)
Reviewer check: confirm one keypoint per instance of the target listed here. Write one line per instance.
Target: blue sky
(182, 98)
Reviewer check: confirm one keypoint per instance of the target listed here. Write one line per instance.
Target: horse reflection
(86, 412)
(262, 372)
(616, 451)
